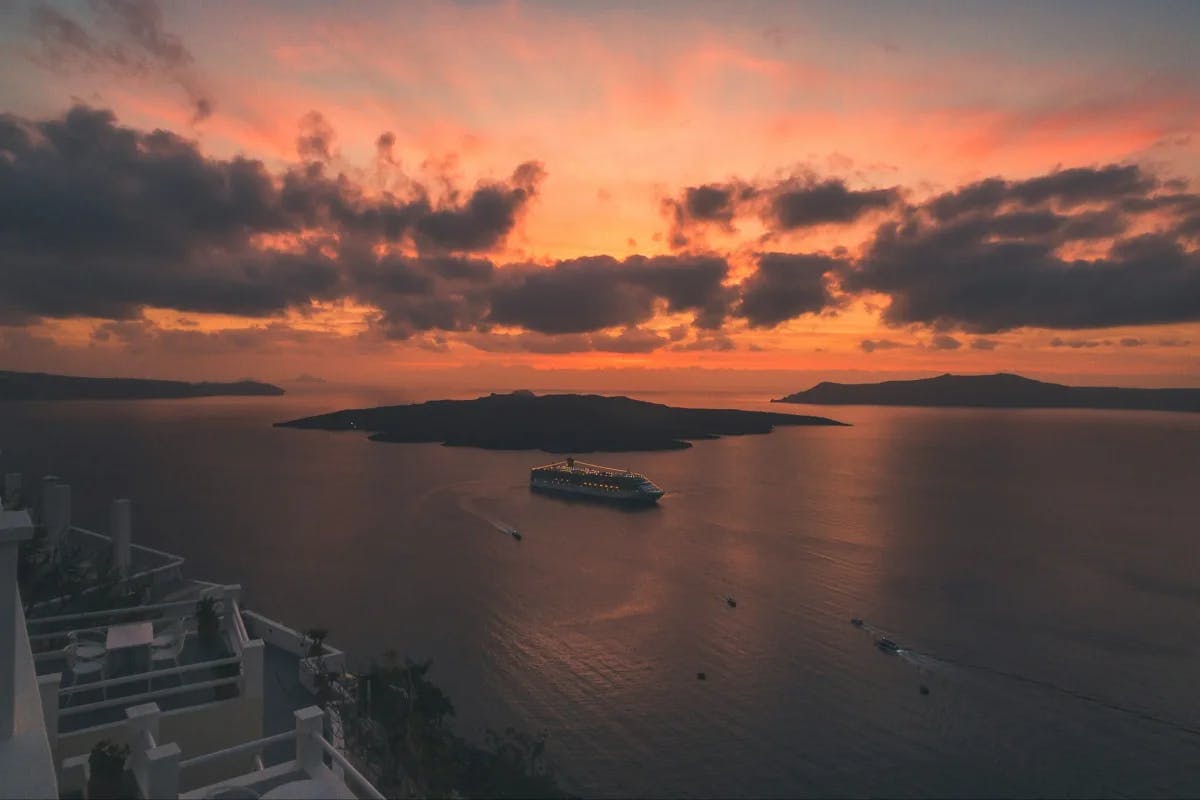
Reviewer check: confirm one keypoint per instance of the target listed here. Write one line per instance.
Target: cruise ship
(592, 480)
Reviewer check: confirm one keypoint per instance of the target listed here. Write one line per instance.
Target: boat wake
(930, 663)
(466, 503)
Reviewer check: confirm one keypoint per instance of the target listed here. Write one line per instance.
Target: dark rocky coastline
(562, 423)
(39, 386)
(1001, 390)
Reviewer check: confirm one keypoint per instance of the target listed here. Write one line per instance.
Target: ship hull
(618, 496)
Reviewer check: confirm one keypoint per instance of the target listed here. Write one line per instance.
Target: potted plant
(106, 770)
(313, 675)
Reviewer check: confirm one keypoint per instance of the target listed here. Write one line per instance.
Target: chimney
(46, 500)
(56, 503)
(120, 528)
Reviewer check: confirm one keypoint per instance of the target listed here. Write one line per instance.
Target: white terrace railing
(161, 562)
(55, 628)
(160, 769)
(59, 701)
(159, 567)
(146, 678)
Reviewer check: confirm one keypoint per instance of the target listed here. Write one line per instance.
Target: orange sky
(625, 107)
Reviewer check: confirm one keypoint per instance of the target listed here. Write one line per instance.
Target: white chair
(167, 633)
(169, 651)
(88, 645)
(80, 668)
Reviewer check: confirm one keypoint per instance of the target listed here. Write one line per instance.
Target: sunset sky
(371, 192)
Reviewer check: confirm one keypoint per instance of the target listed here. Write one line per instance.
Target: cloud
(944, 341)
(630, 340)
(828, 201)
(985, 259)
(794, 203)
(140, 45)
(101, 220)
(486, 217)
(871, 345)
(710, 341)
(587, 294)
(787, 285)
(315, 142)
(1078, 343)
(1066, 188)
(1132, 342)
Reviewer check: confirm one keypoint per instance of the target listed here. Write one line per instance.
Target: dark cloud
(1130, 341)
(486, 218)
(829, 201)
(871, 345)
(1077, 344)
(972, 260)
(790, 204)
(315, 142)
(709, 203)
(711, 341)
(943, 341)
(629, 340)
(984, 344)
(101, 220)
(588, 294)
(1064, 189)
(384, 146)
(785, 286)
(139, 45)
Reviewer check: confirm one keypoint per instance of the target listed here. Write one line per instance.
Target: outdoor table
(129, 647)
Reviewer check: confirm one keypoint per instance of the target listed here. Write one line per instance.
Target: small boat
(887, 645)
(856, 622)
(731, 602)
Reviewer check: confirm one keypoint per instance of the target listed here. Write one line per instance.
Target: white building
(200, 719)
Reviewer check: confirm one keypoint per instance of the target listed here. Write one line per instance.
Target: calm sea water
(1041, 568)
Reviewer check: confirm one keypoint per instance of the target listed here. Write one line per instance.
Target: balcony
(314, 768)
(193, 672)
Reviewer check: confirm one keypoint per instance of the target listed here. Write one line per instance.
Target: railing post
(143, 738)
(252, 669)
(73, 775)
(121, 530)
(162, 771)
(12, 489)
(309, 725)
(15, 527)
(143, 719)
(48, 686)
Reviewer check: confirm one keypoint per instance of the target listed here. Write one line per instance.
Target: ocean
(1040, 570)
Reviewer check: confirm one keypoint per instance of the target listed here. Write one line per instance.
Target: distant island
(558, 423)
(43, 387)
(1001, 390)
